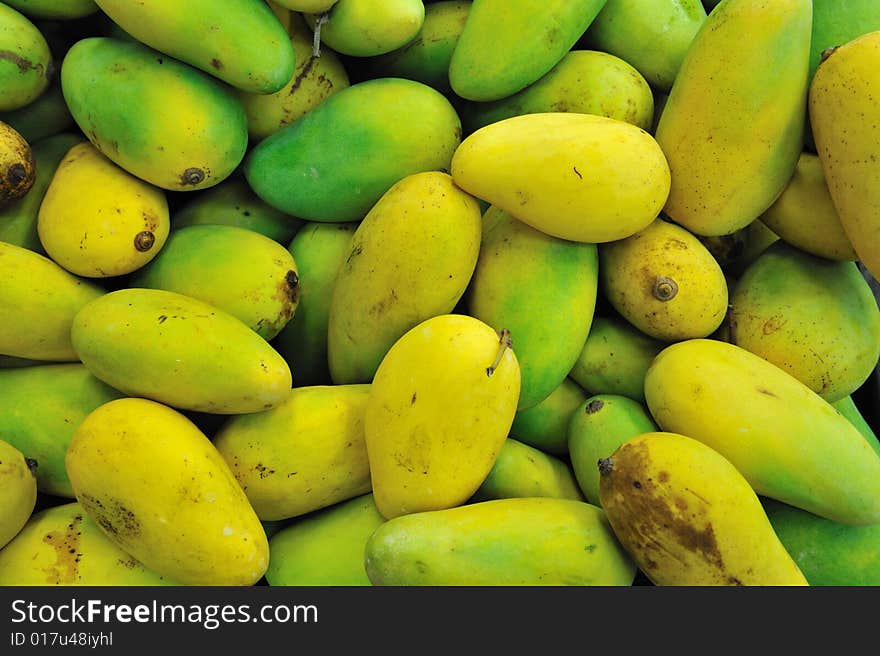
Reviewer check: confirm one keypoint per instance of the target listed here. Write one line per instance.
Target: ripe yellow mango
(18, 491)
(574, 176)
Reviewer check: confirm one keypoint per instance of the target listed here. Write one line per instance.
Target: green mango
(158, 118)
(836, 23)
(522, 274)
(545, 425)
(523, 471)
(18, 219)
(41, 407)
(26, 63)
(503, 542)
(179, 351)
(326, 548)
(233, 202)
(238, 41)
(596, 429)
(239, 271)
(827, 552)
(652, 35)
(366, 28)
(814, 318)
(335, 162)
(584, 81)
(54, 9)
(319, 250)
(847, 407)
(44, 117)
(507, 45)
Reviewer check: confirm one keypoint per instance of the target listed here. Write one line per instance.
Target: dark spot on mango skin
(192, 176)
(23, 64)
(65, 569)
(113, 517)
(594, 406)
(217, 64)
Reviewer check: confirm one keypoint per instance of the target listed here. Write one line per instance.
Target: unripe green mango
(335, 162)
(326, 548)
(158, 118)
(523, 273)
(54, 9)
(523, 471)
(26, 63)
(545, 425)
(836, 23)
(584, 81)
(507, 45)
(814, 318)
(307, 453)
(242, 272)
(240, 42)
(319, 250)
(652, 35)
(42, 118)
(597, 428)
(179, 351)
(18, 219)
(233, 202)
(61, 545)
(847, 407)
(410, 259)
(366, 28)
(502, 542)
(38, 301)
(41, 407)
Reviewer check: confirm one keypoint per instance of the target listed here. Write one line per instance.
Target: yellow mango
(366, 28)
(18, 491)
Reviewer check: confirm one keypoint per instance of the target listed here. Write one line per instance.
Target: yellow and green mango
(366, 28)
(26, 63)
(545, 425)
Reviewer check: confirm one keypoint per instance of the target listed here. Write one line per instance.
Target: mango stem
(505, 343)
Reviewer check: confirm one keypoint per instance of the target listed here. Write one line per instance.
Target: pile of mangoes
(393, 292)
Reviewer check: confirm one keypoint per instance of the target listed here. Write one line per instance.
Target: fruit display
(439, 293)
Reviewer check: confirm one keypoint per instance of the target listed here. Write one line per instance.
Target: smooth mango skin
(597, 429)
(688, 517)
(366, 28)
(826, 552)
(61, 545)
(524, 471)
(574, 176)
(335, 162)
(665, 282)
(846, 129)
(38, 301)
(653, 36)
(159, 119)
(847, 407)
(26, 63)
(218, 38)
(545, 425)
(440, 407)
(18, 219)
(503, 542)
(837, 23)
(789, 443)
(725, 176)
(233, 202)
(303, 455)
(804, 214)
(44, 117)
(584, 82)
(54, 9)
(506, 46)
(319, 250)
(239, 271)
(158, 488)
(410, 259)
(179, 351)
(615, 358)
(18, 491)
(814, 318)
(306, 6)
(41, 407)
(326, 548)
(523, 273)
(115, 229)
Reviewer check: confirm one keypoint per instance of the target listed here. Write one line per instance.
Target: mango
(724, 176)
(158, 118)
(309, 6)
(538, 167)
(17, 166)
(410, 259)
(837, 23)
(501, 542)
(160, 491)
(545, 425)
(774, 311)
(847, 407)
(440, 407)
(789, 443)
(506, 46)
(26, 63)
(18, 491)
(308, 453)
(335, 162)
(239, 271)
(688, 517)
(54, 9)
(180, 351)
(41, 118)
(366, 28)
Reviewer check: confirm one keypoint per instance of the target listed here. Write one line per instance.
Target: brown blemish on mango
(112, 516)
(65, 569)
